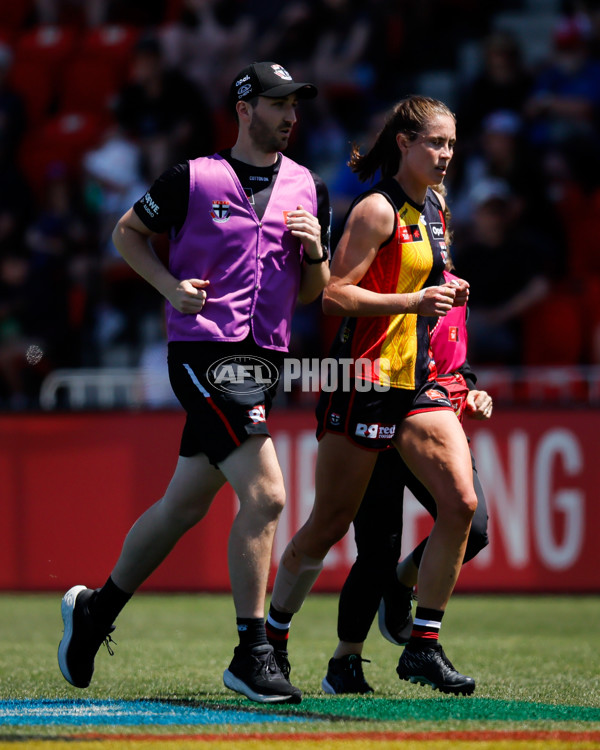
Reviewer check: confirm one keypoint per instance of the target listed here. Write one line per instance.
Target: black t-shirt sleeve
(164, 206)
(468, 374)
(323, 211)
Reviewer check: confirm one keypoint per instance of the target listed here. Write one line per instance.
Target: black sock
(251, 631)
(278, 628)
(106, 603)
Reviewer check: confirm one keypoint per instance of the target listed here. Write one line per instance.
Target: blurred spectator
(92, 13)
(573, 173)
(113, 182)
(504, 83)
(13, 119)
(209, 40)
(523, 186)
(339, 64)
(15, 316)
(591, 12)
(565, 99)
(503, 153)
(15, 203)
(15, 196)
(509, 270)
(125, 306)
(56, 12)
(163, 111)
(292, 36)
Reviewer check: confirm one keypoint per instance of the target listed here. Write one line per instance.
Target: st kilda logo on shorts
(242, 375)
(220, 211)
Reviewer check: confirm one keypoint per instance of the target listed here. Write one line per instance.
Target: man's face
(272, 123)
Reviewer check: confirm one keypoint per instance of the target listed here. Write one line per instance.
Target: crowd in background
(98, 97)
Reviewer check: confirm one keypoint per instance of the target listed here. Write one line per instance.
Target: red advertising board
(72, 485)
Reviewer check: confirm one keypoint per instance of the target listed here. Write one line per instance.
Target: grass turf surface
(535, 659)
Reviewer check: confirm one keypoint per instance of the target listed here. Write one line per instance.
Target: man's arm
(315, 275)
(131, 238)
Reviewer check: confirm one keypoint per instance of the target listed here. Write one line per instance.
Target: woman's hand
(479, 405)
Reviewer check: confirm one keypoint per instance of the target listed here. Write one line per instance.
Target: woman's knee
(460, 504)
(322, 531)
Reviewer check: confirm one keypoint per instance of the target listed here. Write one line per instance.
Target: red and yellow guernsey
(395, 349)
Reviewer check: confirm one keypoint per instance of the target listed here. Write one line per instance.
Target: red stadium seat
(64, 138)
(173, 10)
(50, 47)
(552, 330)
(36, 85)
(87, 85)
(14, 14)
(111, 45)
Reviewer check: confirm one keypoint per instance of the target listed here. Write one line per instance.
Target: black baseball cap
(268, 79)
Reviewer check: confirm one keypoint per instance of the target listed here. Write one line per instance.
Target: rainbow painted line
(499, 740)
(233, 711)
(27, 723)
(24, 713)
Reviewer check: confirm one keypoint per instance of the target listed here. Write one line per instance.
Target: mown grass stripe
(437, 709)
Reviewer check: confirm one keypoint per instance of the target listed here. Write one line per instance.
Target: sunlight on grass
(524, 649)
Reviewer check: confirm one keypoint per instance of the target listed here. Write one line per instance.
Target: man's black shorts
(370, 419)
(227, 391)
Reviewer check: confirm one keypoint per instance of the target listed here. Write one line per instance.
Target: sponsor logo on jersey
(453, 333)
(410, 233)
(242, 374)
(220, 211)
(150, 206)
(257, 414)
(374, 431)
(437, 230)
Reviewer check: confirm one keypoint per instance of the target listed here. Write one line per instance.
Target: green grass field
(536, 661)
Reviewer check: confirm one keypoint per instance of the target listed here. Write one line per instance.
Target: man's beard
(264, 138)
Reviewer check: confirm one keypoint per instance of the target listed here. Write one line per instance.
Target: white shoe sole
(67, 607)
(327, 688)
(234, 683)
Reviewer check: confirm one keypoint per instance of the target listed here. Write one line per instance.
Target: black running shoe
(345, 675)
(431, 666)
(255, 674)
(395, 615)
(283, 662)
(82, 638)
